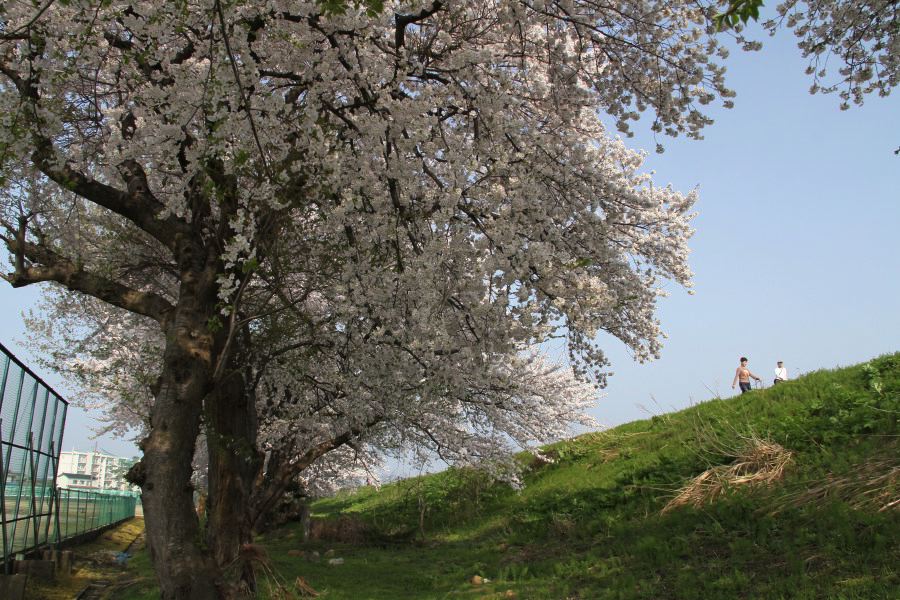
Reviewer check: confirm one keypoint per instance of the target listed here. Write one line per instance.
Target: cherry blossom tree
(862, 36)
(406, 201)
(474, 410)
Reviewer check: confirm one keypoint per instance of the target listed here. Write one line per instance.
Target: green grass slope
(591, 525)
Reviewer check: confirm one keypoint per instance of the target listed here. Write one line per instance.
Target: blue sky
(796, 251)
(797, 245)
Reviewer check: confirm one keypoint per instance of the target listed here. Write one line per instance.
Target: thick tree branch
(402, 21)
(289, 471)
(48, 265)
(138, 204)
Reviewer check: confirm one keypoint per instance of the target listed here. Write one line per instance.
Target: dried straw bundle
(873, 485)
(761, 462)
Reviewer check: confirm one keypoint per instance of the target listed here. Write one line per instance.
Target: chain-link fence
(33, 511)
(81, 511)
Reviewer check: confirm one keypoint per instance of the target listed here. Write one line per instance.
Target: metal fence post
(54, 462)
(3, 498)
(77, 510)
(12, 429)
(68, 512)
(50, 506)
(62, 430)
(3, 471)
(3, 382)
(41, 468)
(35, 518)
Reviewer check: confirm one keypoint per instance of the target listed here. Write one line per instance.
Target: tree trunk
(305, 521)
(233, 463)
(183, 569)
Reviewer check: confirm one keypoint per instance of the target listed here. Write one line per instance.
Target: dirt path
(96, 571)
(105, 588)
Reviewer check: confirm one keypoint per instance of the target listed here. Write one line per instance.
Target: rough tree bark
(185, 571)
(231, 429)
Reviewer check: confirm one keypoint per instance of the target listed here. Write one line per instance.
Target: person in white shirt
(780, 373)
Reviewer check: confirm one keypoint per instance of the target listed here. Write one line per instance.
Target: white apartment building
(74, 481)
(96, 470)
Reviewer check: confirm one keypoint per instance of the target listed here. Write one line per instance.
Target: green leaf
(339, 7)
(250, 265)
(374, 7)
(214, 324)
(739, 11)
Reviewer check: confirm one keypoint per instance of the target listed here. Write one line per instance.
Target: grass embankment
(790, 492)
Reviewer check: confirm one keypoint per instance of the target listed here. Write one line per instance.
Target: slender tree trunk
(305, 521)
(233, 463)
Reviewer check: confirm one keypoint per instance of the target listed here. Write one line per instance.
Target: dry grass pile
(343, 529)
(277, 586)
(873, 485)
(760, 462)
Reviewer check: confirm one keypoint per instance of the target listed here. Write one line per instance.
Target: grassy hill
(790, 492)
